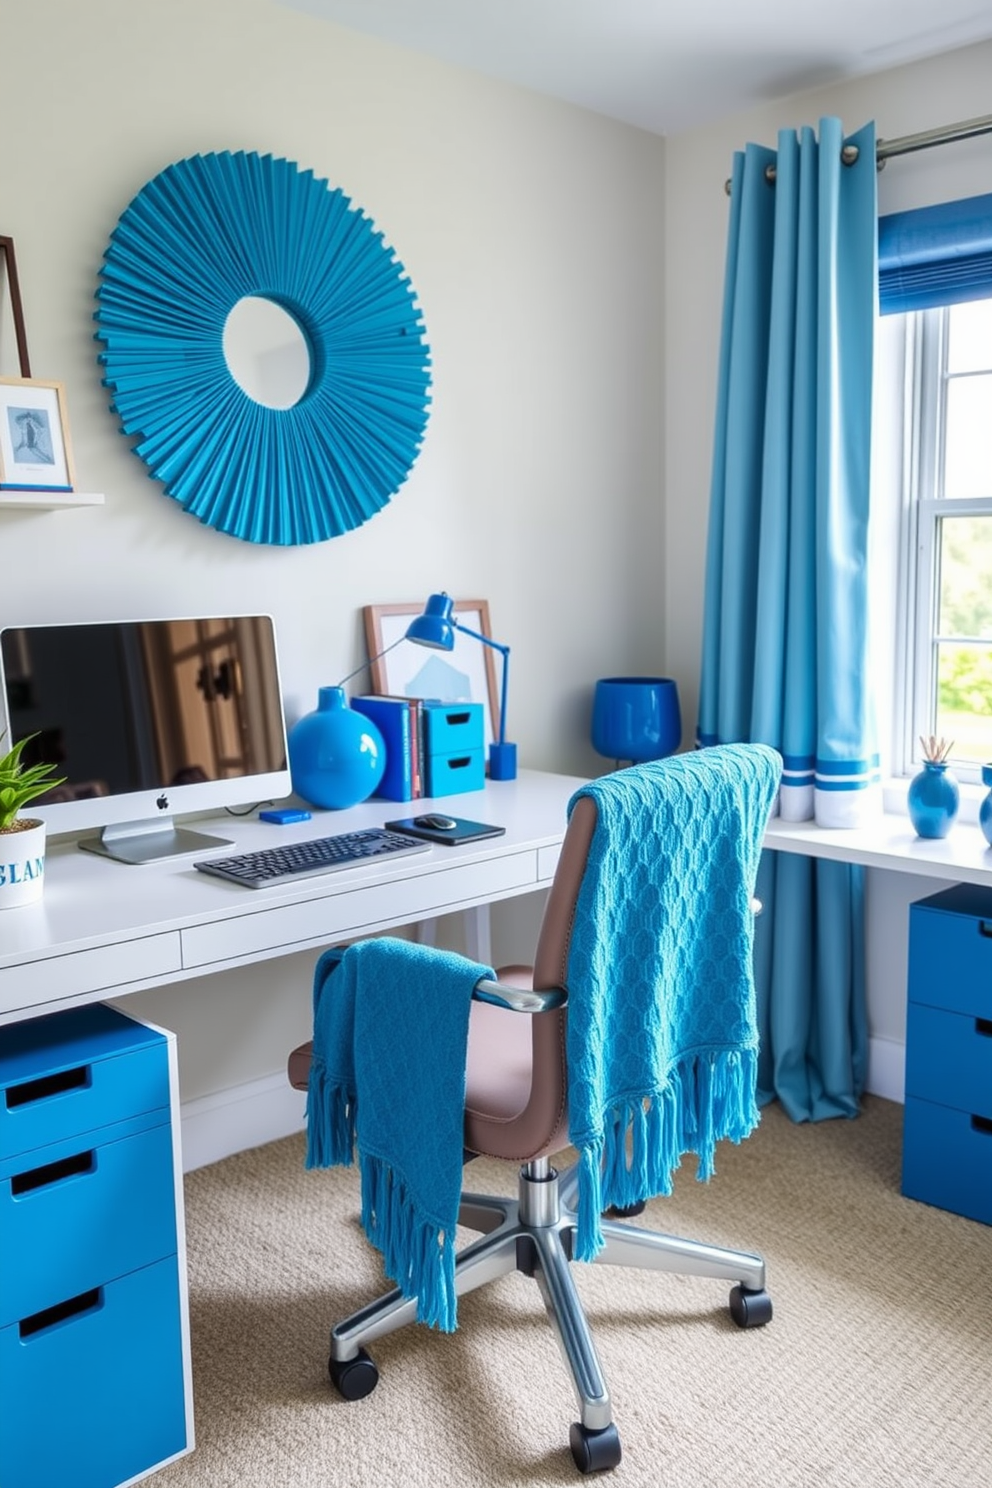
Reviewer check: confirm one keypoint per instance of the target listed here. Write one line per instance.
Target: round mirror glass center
(267, 352)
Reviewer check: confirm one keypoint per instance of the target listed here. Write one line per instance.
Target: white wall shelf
(46, 500)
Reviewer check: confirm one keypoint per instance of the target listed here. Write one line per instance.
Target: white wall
(550, 249)
(903, 101)
(532, 233)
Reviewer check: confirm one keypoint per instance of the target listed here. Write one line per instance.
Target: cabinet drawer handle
(984, 1027)
(982, 1124)
(56, 1172)
(61, 1312)
(47, 1086)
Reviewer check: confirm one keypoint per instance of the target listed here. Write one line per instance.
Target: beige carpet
(876, 1371)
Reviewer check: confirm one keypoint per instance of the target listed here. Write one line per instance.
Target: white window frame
(923, 507)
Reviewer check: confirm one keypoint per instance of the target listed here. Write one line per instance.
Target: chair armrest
(518, 999)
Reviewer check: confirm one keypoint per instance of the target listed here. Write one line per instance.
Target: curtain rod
(907, 143)
(927, 137)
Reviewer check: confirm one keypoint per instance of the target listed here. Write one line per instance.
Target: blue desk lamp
(436, 629)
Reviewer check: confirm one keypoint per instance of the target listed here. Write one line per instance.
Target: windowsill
(890, 842)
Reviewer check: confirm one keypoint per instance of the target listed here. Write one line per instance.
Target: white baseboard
(887, 1069)
(216, 1126)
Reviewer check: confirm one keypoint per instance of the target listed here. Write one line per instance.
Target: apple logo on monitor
(162, 803)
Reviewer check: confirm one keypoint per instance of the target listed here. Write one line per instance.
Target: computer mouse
(435, 823)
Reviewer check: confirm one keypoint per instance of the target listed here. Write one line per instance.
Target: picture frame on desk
(35, 452)
(466, 674)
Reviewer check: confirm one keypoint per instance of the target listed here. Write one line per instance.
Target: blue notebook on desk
(391, 715)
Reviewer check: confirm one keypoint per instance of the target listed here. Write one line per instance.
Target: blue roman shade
(938, 255)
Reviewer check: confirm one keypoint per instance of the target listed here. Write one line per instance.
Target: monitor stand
(147, 841)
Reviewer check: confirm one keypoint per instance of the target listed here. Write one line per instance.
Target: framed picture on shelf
(466, 674)
(35, 453)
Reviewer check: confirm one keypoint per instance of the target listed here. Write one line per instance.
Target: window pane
(965, 577)
(964, 700)
(969, 341)
(968, 446)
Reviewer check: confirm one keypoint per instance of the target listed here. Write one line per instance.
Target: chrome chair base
(534, 1234)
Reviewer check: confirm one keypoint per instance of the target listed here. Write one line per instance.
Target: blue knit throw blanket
(390, 1034)
(662, 1034)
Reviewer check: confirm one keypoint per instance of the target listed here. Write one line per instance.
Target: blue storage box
(450, 774)
(947, 1131)
(92, 1276)
(453, 728)
(453, 737)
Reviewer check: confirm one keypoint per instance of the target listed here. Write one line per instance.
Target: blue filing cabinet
(454, 748)
(94, 1336)
(947, 1136)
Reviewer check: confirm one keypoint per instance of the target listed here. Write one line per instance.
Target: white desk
(106, 929)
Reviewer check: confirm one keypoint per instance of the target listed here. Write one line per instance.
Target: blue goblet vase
(933, 799)
(636, 718)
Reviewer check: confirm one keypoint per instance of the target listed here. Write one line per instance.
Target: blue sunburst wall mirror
(264, 346)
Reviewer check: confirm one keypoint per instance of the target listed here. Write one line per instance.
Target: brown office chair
(516, 1108)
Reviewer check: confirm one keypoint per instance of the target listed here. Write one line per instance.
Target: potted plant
(22, 838)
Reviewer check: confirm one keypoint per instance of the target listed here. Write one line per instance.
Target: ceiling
(667, 65)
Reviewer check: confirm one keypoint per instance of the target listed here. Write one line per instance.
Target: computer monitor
(147, 719)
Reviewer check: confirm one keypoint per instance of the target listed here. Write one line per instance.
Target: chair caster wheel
(353, 1378)
(594, 1451)
(614, 1212)
(750, 1309)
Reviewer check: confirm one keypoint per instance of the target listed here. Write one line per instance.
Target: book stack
(400, 720)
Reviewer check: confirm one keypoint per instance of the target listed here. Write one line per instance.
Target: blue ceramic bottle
(933, 800)
(336, 756)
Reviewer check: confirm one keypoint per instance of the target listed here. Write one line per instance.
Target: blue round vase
(933, 800)
(337, 757)
(985, 809)
(636, 718)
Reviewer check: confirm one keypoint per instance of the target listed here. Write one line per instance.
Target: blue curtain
(785, 635)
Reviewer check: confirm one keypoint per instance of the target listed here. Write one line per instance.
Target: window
(947, 578)
(933, 420)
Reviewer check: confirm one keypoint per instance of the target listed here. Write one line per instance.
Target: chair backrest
(540, 1125)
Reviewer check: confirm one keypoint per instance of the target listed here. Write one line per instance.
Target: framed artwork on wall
(35, 453)
(464, 675)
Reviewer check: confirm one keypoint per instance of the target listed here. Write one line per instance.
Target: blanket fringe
(330, 1120)
(417, 1256)
(708, 1096)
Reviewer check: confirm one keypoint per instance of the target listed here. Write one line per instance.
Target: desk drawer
(100, 970)
(77, 1216)
(96, 1397)
(950, 951)
(406, 898)
(947, 1159)
(949, 1059)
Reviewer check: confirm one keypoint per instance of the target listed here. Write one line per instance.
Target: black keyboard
(256, 870)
